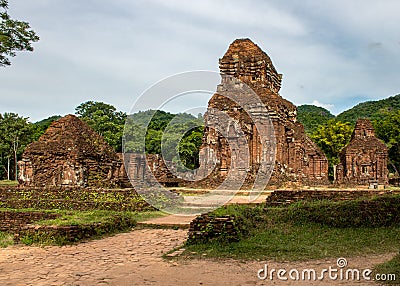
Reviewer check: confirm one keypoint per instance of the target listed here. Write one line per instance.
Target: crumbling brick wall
(13, 221)
(72, 198)
(287, 197)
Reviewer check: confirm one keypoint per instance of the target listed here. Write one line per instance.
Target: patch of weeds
(6, 239)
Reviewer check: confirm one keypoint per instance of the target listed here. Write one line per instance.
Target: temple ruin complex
(240, 135)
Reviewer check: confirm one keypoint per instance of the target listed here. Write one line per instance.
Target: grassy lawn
(8, 183)
(95, 216)
(283, 242)
(308, 230)
(101, 222)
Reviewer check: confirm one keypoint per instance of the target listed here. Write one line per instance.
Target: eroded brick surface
(70, 153)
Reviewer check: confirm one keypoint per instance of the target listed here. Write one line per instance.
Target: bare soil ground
(134, 258)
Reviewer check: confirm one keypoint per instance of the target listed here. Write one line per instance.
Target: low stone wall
(286, 197)
(72, 233)
(72, 199)
(206, 227)
(13, 221)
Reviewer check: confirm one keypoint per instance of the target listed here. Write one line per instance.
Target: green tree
(388, 130)
(15, 134)
(105, 120)
(153, 141)
(189, 148)
(14, 35)
(133, 136)
(177, 137)
(332, 137)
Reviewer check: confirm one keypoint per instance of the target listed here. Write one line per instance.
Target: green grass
(390, 267)
(103, 223)
(95, 216)
(308, 230)
(282, 242)
(8, 183)
(6, 239)
(95, 224)
(87, 217)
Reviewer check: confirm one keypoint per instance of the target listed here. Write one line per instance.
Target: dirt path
(134, 258)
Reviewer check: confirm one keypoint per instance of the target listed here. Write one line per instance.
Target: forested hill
(374, 110)
(312, 116)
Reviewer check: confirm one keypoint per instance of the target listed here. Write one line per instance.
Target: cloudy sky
(331, 53)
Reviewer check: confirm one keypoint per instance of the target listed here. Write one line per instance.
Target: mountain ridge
(312, 116)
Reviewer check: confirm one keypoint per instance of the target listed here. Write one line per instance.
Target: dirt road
(134, 258)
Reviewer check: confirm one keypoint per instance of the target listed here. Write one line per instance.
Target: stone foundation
(283, 198)
(13, 221)
(72, 199)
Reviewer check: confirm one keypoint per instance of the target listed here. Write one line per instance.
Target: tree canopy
(388, 129)
(15, 135)
(14, 35)
(332, 137)
(105, 120)
(176, 136)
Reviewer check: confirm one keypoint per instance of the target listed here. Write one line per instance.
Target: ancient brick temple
(70, 153)
(364, 159)
(298, 159)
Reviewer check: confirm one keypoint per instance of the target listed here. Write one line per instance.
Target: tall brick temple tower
(298, 159)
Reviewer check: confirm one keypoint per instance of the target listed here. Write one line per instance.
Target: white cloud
(324, 105)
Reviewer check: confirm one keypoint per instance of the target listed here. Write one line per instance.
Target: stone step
(170, 221)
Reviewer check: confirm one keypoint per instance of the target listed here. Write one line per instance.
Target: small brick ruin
(364, 159)
(207, 227)
(298, 159)
(70, 153)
